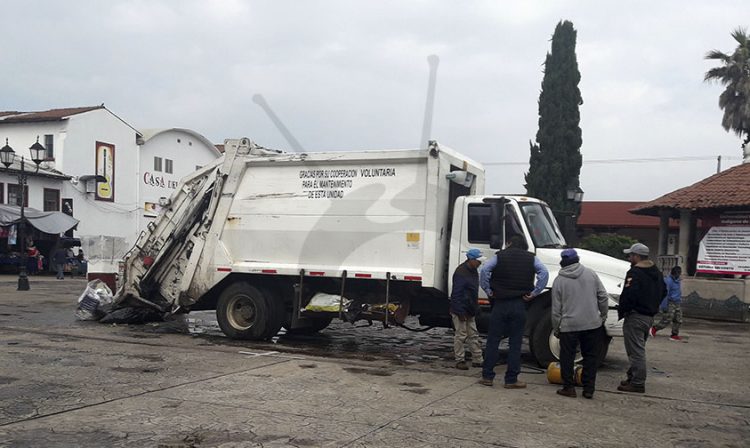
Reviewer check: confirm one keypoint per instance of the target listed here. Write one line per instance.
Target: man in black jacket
(639, 302)
(464, 306)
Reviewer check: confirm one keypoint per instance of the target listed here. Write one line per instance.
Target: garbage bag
(132, 315)
(326, 302)
(95, 301)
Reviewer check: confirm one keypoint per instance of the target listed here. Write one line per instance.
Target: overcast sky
(353, 75)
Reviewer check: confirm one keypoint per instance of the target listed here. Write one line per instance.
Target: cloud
(352, 75)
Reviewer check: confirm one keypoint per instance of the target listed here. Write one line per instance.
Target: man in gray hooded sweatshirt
(579, 308)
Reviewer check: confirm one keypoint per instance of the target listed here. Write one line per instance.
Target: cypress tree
(555, 159)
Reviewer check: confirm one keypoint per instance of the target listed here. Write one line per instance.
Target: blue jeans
(508, 318)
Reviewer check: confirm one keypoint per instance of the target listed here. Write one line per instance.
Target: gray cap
(638, 249)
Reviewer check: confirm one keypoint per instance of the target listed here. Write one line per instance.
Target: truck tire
(539, 342)
(606, 341)
(315, 326)
(245, 311)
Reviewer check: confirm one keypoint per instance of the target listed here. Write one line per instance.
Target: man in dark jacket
(464, 306)
(60, 259)
(639, 302)
(508, 280)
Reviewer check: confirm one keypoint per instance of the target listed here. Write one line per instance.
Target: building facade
(108, 172)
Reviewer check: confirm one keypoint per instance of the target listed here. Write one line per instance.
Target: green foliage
(734, 74)
(610, 244)
(555, 159)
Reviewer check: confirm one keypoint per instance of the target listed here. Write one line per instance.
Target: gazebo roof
(728, 189)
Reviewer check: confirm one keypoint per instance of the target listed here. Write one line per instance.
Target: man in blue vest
(508, 280)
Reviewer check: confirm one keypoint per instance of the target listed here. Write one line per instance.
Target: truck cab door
(476, 231)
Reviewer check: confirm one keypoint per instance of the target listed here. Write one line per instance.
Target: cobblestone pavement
(181, 384)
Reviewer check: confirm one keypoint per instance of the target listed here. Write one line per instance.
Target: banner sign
(152, 209)
(725, 250)
(105, 166)
(728, 218)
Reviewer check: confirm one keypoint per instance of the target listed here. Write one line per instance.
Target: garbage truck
(271, 239)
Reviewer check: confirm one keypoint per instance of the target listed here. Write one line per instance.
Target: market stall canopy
(47, 222)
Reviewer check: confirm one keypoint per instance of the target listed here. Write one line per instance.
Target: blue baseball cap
(474, 254)
(569, 253)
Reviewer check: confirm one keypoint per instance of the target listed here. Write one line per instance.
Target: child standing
(670, 309)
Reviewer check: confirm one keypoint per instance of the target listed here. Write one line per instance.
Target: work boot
(588, 394)
(630, 387)
(567, 392)
(477, 364)
(461, 365)
(486, 382)
(516, 385)
(625, 382)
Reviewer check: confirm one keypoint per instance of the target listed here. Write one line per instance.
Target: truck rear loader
(263, 236)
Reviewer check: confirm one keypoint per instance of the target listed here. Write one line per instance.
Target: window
(167, 166)
(49, 145)
(479, 223)
(157, 163)
(51, 200)
(2, 193)
(14, 195)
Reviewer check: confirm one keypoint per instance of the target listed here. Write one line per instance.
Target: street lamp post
(7, 156)
(574, 195)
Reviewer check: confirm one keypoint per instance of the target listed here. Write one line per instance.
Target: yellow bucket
(555, 377)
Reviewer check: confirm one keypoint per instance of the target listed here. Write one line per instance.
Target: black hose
(416, 330)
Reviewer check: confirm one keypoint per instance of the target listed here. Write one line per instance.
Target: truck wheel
(539, 342)
(606, 341)
(315, 326)
(246, 312)
(545, 346)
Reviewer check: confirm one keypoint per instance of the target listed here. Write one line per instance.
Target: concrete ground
(69, 383)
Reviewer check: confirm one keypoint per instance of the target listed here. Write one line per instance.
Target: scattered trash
(132, 315)
(327, 302)
(95, 302)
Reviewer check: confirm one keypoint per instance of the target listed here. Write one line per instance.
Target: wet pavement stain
(374, 372)
(136, 369)
(144, 357)
(418, 391)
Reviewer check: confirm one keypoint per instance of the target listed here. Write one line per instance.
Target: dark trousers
(590, 341)
(508, 317)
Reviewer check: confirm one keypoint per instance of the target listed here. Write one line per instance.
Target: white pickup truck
(259, 234)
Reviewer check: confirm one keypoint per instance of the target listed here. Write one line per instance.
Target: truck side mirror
(497, 225)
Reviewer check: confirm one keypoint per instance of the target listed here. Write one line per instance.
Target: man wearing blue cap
(464, 305)
(579, 308)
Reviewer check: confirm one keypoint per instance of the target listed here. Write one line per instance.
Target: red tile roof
(728, 189)
(47, 115)
(616, 214)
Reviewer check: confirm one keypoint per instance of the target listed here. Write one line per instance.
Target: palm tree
(734, 73)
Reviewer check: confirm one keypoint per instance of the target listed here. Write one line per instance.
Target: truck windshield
(541, 223)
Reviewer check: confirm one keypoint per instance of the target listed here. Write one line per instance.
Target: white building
(107, 173)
